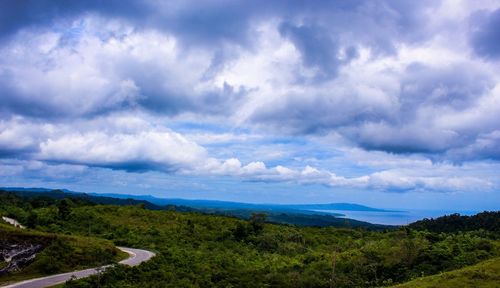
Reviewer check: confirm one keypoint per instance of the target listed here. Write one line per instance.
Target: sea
(394, 217)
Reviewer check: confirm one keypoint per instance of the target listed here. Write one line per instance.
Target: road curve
(137, 256)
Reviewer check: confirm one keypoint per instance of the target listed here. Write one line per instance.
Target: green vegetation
(483, 275)
(61, 253)
(204, 251)
(455, 222)
(198, 250)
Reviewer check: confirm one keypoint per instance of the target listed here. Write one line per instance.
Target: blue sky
(385, 103)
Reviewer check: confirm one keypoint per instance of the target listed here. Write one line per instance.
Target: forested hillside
(199, 250)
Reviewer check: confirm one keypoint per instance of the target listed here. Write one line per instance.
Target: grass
(483, 275)
(62, 253)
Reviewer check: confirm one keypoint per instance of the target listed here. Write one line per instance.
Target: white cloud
(142, 151)
(18, 135)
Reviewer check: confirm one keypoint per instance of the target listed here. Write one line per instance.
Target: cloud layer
(212, 88)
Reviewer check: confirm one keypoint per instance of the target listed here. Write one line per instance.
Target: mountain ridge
(235, 204)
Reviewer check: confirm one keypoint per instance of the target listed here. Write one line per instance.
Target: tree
(241, 231)
(32, 220)
(64, 207)
(257, 221)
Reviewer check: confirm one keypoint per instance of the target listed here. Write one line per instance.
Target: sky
(391, 104)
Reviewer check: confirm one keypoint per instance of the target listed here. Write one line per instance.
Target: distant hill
(301, 215)
(337, 206)
(34, 189)
(239, 205)
(207, 204)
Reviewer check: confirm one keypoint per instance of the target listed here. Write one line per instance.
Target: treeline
(488, 221)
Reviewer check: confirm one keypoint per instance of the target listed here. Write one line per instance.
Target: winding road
(137, 256)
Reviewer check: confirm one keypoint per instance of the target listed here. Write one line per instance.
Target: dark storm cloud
(485, 37)
(403, 139)
(39, 105)
(427, 93)
(209, 22)
(317, 48)
(318, 113)
(13, 153)
(456, 86)
(327, 34)
(15, 15)
(219, 102)
(485, 147)
(198, 21)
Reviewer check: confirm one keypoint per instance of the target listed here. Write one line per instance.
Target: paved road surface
(137, 256)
